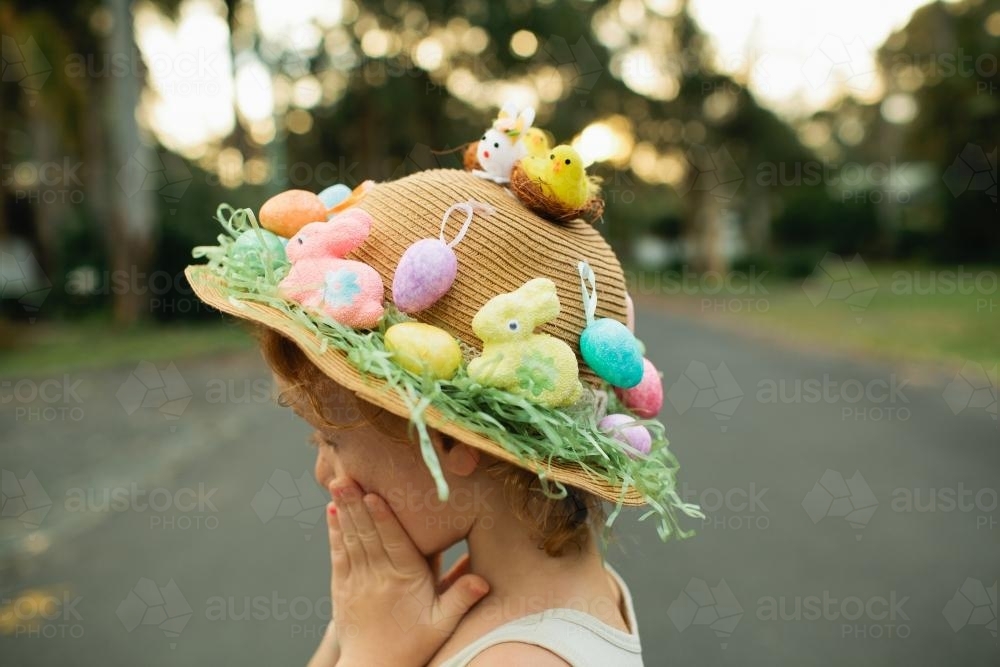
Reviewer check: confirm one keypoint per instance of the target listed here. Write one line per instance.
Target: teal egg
(612, 351)
(334, 194)
(249, 249)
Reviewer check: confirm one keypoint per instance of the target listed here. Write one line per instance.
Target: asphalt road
(853, 515)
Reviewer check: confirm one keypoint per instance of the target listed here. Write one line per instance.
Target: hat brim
(333, 362)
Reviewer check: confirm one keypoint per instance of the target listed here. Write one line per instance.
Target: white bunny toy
(501, 146)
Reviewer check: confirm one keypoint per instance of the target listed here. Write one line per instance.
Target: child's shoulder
(517, 653)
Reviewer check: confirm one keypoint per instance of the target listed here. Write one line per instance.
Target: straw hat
(498, 254)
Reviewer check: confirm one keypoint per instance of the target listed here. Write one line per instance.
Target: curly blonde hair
(560, 525)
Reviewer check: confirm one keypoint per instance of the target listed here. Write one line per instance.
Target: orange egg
(286, 213)
(357, 194)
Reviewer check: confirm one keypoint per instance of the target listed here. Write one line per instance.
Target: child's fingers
(453, 604)
(349, 532)
(398, 546)
(434, 563)
(350, 497)
(460, 568)
(338, 552)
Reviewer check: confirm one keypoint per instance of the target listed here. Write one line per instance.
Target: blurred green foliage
(386, 126)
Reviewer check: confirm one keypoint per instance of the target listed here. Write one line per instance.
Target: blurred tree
(937, 125)
(131, 220)
(381, 88)
(950, 69)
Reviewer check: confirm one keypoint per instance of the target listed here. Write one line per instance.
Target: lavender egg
(425, 273)
(636, 439)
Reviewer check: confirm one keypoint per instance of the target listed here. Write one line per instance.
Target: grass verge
(45, 348)
(914, 314)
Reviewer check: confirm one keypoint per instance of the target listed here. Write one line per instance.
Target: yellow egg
(416, 346)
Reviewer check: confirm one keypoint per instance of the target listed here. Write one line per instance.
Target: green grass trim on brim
(534, 433)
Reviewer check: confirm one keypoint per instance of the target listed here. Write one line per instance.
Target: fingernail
(344, 492)
(332, 509)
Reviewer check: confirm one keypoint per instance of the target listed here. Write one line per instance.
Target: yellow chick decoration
(539, 367)
(536, 142)
(561, 175)
(556, 186)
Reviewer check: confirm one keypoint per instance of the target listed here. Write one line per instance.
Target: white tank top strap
(577, 637)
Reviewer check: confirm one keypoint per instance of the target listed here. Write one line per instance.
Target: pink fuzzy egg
(646, 398)
(635, 438)
(424, 274)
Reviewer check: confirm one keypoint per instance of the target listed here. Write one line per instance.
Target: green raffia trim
(536, 434)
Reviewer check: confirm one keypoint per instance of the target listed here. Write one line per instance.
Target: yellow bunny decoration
(540, 367)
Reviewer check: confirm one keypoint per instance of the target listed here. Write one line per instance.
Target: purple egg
(425, 273)
(635, 438)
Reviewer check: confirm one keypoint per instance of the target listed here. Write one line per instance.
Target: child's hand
(387, 606)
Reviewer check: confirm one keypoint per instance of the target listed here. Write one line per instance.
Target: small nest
(469, 160)
(532, 195)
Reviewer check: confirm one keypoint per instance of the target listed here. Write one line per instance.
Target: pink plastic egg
(635, 438)
(424, 274)
(646, 398)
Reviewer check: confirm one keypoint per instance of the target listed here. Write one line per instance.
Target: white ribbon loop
(470, 207)
(589, 296)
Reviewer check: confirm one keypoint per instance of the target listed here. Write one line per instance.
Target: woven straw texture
(499, 253)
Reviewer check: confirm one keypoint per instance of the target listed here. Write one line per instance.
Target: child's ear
(456, 457)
